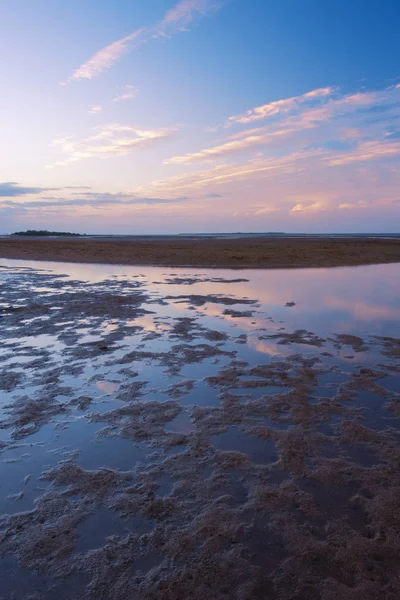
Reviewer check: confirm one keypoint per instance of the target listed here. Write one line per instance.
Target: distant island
(45, 233)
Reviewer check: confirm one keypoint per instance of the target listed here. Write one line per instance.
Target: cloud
(338, 123)
(95, 200)
(130, 92)
(109, 140)
(303, 182)
(176, 19)
(352, 205)
(341, 161)
(366, 151)
(266, 209)
(279, 106)
(229, 147)
(307, 207)
(351, 104)
(106, 57)
(126, 198)
(77, 187)
(96, 109)
(320, 160)
(228, 173)
(11, 189)
(184, 12)
(216, 151)
(242, 213)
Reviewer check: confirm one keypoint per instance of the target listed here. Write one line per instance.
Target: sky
(174, 116)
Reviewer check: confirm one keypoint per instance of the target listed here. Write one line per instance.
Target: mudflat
(202, 435)
(243, 252)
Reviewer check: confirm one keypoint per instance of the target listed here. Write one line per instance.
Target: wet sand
(251, 252)
(184, 439)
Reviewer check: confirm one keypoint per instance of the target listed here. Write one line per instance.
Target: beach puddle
(102, 523)
(258, 451)
(181, 424)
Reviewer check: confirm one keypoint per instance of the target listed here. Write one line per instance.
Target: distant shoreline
(260, 252)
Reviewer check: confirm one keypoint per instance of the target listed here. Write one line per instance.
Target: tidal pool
(181, 433)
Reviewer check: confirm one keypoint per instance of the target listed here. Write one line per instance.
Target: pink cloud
(129, 92)
(224, 149)
(279, 106)
(307, 207)
(106, 57)
(366, 151)
(176, 19)
(96, 109)
(186, 11)
(109, 140)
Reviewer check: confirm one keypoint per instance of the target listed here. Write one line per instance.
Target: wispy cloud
(184, 12)
(265, 209)
(230, 147)
(307, 207)
(96, 109)
(224, 174)
(176, 19)
(94, 200)
(330, 159)
(11, 189)
(109, 140)
(346, 120)
(77, 187)
(280, 106)
(366, 151)
(339, 154)
(129, 92)
(106, 57)
(345, 105)
(353, 205)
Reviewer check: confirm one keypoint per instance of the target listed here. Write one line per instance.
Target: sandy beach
(251, 252)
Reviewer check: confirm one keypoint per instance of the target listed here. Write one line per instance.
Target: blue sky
(200, 115)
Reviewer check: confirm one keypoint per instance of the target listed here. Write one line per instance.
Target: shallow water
(138, 405)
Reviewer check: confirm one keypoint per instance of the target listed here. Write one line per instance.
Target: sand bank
(260, 252)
